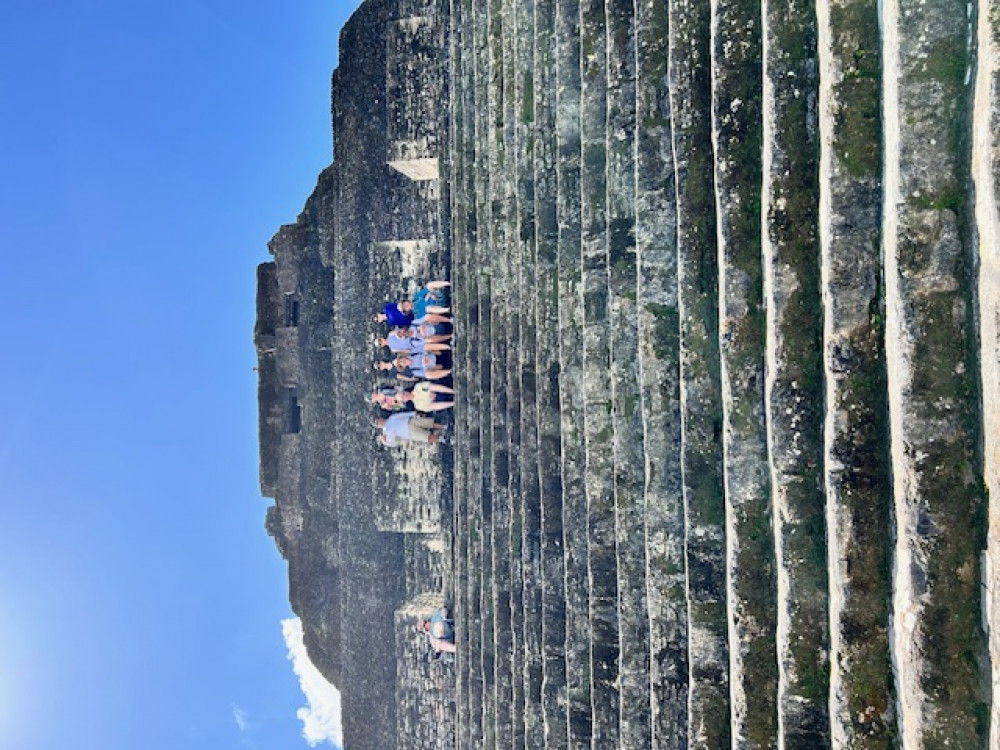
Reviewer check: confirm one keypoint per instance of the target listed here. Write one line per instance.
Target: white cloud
(321, 717)
(240, 717)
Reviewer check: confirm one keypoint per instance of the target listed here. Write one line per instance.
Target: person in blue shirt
(405, 341)
(395, 317)
(440, 629)
(428, 305)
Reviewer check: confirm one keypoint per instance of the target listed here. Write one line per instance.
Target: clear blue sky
(148, 151)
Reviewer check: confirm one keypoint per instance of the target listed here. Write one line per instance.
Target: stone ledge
(417, 169)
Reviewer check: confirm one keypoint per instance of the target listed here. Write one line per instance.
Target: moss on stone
(858, 123)
(528, 99)
(666, 331)
(946, 61)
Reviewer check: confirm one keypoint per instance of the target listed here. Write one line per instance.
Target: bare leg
(437, 374)
(437, 347)
(440, 405)
(435, 388)
(437, 284)
(438, 310)
(435, 318)
(438, 337)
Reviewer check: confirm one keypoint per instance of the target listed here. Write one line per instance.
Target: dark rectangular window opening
(294, 420)
(291, 310)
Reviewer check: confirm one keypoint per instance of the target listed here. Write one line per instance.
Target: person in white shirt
(404, 341)
(407, 426)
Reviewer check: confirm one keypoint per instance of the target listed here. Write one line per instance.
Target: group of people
(419, 344)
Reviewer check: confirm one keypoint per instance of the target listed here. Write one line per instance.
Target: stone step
(794, 388)
(598, 428)
(751, 589)
(531, 555)
(708, 718)
(858, 486)
(659, 381)
(627, 407)
(499, 440)
(530, 507)
(939, 649)
(467, 371)
(570, 350)
(460, 144)
(986, 175)
(512, 255)
(482, 368)
(547, 380)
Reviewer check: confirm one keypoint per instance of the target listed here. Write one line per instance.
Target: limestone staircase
(719, 477)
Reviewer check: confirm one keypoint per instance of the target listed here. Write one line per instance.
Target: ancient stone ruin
(727, 438)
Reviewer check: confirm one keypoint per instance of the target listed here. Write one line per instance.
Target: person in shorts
(440, 629)
(408, 426)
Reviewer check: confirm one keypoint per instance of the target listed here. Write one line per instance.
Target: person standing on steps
(406, 427)
(431, 370)
(420, 366)
(424, 397)
(427, 306)
(404, 341)
(432, 299)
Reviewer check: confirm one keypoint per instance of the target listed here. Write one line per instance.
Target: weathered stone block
(287, 355)
(413, 95)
